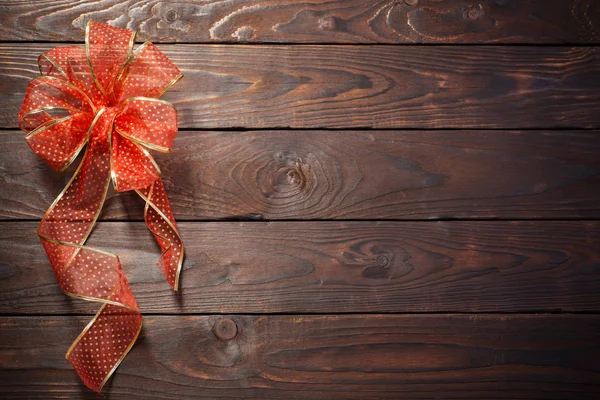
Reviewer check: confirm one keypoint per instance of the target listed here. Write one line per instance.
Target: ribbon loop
(149, 122)
(70, 64)
(148, 73)
(48, 92)
(58, 141)
(75, 102)
(108, 49)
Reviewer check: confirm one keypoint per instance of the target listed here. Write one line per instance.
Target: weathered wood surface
(362, 86)
(344, 175)
(335, 146)
(329, 267)
(319, 357)
(337, 21)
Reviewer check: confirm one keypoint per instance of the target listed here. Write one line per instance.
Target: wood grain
(344, 175)
(362, 86)
(329, 267)
(320, 357)
(344, 295)
(295, 21)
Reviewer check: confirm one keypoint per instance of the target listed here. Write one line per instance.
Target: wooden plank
(295, 21)
(319, 357)
(330, 267)
(362, 86)
(344, 175)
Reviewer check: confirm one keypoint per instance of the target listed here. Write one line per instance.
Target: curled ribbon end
(171, 271)
(175, 285)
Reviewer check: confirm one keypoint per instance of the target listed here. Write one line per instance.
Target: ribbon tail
(161, 222)
(91, 274)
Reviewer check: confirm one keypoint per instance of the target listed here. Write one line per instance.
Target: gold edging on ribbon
(147, 154)
(138, 51)
(142, 142)
(44, 77)
(149, 203)
(150, 99)
(81, 246)
(125, 353)
(84, 331)
(164, 217)
(127, 350)
(47, 125)
(45, 109)
(51, 61)
(74, 156)
(107, 180)
(113, 175)
(100, 300)
(149, 145)
(89, 57)
(50, 124)
(93, 123)
(61, 194)
(132, 54)
(87, 138)
(174, 81)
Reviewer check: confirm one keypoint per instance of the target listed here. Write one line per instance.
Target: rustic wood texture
(320, 357)
(329, 267)
(344, 175)
(337, 21)
(362, 86)
(361, 221)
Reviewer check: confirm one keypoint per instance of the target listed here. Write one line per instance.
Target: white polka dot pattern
(106, 96)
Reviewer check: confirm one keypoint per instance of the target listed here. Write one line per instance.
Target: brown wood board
(343, 175)
(381, 87)
(296, 21)
(329, 267)
(319, 357)
(363, 217)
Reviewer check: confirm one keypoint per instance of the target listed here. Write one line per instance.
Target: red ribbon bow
(106, 96)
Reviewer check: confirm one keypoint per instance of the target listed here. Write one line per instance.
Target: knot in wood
(294, 177)
(473, 13)
(171, 16)
(411, 2)
(225, 329)
(329, 23)
(382, 260)
(286, 178)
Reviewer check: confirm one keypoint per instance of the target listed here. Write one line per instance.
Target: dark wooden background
(379, 198)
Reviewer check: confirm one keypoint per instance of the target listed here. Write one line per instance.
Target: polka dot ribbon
(103, 97)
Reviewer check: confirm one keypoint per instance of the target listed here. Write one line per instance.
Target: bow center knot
(101, 126)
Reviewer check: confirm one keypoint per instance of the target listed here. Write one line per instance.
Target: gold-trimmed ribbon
(104, 96)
